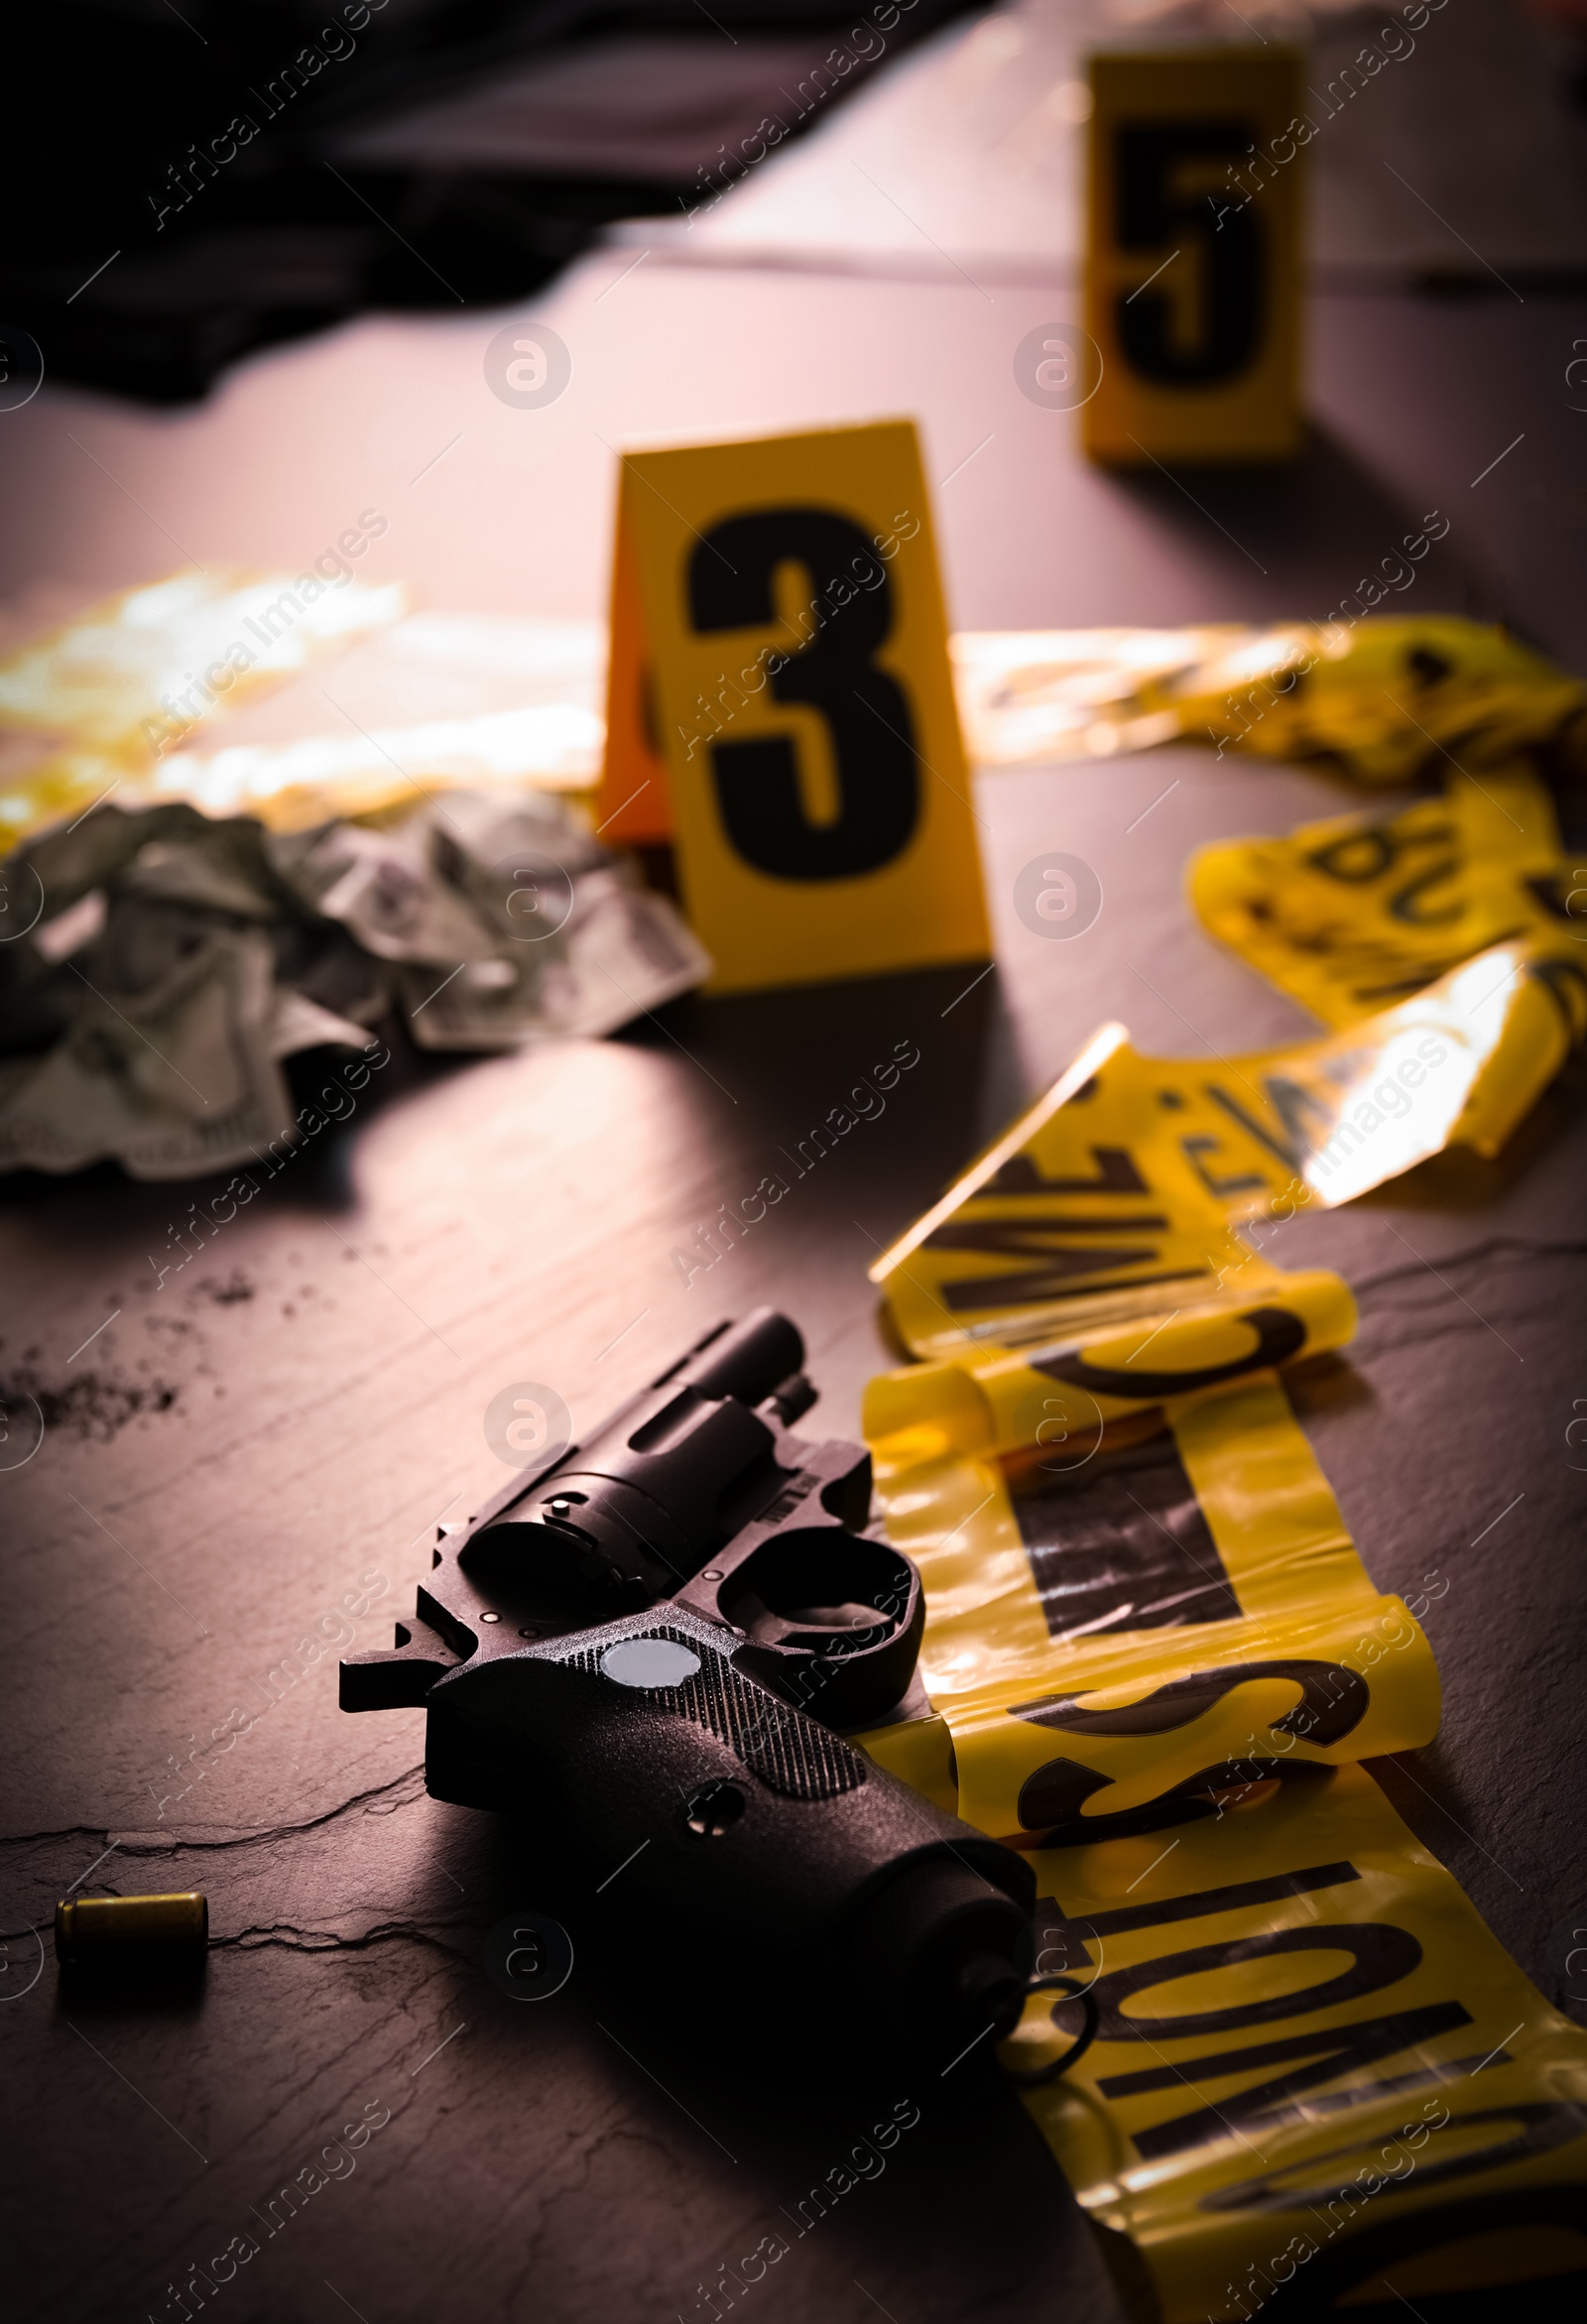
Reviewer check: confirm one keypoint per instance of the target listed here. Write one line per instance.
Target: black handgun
(656, 1644)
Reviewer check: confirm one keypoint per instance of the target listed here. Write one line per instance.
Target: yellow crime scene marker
(1193, 256)
(780, 707)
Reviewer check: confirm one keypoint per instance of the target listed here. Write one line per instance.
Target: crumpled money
(543, 927)
(157, 965)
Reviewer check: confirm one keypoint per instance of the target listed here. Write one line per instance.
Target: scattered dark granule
(225, 1295)
(90, 1405)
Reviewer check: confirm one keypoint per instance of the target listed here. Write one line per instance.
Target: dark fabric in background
(300, 229)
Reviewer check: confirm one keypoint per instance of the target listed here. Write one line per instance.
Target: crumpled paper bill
(176, 922)
(168, 961)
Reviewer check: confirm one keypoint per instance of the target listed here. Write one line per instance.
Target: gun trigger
(396, 1679)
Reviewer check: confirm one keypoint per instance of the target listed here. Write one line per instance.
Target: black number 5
(1151, 212)
(867, 712)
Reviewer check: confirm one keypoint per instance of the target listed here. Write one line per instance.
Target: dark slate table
(279, 1428)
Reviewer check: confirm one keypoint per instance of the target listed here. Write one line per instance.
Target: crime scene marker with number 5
(1193, 256)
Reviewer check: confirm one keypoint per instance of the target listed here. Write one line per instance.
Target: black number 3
(1150, 212)
(867, 712)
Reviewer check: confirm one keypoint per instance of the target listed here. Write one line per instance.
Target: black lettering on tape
(1341, 2049)
(1333, 1700)
(1279, 1334)
(1535, 2129)
(1116, 1173)
(1362, 2260)
(1201, 1904)
(1380, 1955)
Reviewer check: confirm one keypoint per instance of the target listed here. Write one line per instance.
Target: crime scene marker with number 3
(780, 704)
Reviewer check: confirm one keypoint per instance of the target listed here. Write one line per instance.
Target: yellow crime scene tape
(1153, 1653)
(1385, 700)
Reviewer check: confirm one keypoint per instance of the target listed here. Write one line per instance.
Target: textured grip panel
(790, 1752)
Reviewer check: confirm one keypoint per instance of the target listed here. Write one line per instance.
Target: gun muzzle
(635, 1509)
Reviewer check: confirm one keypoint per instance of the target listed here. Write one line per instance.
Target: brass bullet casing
(153, 1930)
